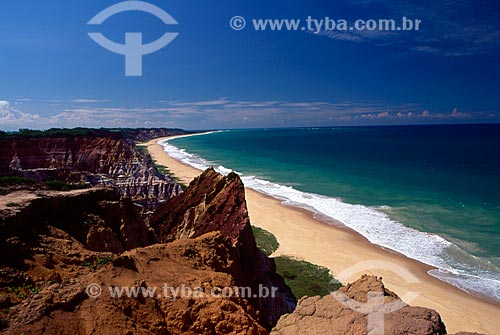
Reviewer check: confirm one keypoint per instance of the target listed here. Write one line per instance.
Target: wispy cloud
(88, 101)
(448, 28)
(227, 113)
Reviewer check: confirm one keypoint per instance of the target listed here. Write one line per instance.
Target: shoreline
(348, 254)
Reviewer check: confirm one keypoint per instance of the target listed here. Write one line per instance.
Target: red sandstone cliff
(54, 244)
(99, 159)
(59, 243)
(213, 202)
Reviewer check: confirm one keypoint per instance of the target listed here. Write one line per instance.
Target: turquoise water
(430, 192)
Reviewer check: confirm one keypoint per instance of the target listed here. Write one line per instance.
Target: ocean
(431, 193)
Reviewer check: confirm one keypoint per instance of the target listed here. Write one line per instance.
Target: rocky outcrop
(60, 241)
(147, 134)
(346, 313)
(213, 202)
(98, 218)
(104, 158)
(200, 264)
(176, 267)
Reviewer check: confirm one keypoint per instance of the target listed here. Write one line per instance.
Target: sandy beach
(348, 255)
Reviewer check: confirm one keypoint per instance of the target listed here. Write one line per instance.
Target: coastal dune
(348, 255)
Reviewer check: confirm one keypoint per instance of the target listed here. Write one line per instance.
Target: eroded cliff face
(213, 202)
(147, 134)
(99, 160)
(97, 218)
(207, 262)
(60, 242)
(55, 244)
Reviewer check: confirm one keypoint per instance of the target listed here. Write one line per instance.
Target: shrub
(302, 277)
(14, 180)
(266, 241)
(305, 278)
(97, 263)
(57, 185)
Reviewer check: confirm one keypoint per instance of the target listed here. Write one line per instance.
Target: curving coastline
(338, 248)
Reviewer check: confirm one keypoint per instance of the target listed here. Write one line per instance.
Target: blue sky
(53, 75)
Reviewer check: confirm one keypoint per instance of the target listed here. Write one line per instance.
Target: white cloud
(10, 116)
(226, 113)
(87, 101)
(449, 28)
(13, 119)
(457, 114)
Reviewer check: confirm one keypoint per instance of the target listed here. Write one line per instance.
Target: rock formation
(55, 244)
(60, 242)
(214, 202)
(98, 218)
(337, 314)
(147, 134)
(205, 262)
(100, 158)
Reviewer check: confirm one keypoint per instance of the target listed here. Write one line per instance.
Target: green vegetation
(143, 149)
(305, 278)
(302, 277)
(97, 263)
(128, 133)
(24, 291)
(165, 171)
(14, 180)
(57, 185)
(55, 132)
(12, 204)
(266, 241)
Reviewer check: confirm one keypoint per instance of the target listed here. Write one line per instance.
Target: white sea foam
(373, 224)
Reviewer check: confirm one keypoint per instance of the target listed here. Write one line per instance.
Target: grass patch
(143, 149)
(302, 277)
(98, 263)
(24, 291)
(12, 204)
(165, 171)
(266, 241)
(56, 185)
(305, 278)
(13, 180)
(162, 168)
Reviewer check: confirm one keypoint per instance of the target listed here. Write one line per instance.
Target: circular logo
(93, 290)
(237, 23)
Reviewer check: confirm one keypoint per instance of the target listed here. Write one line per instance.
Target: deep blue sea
(429, 192)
